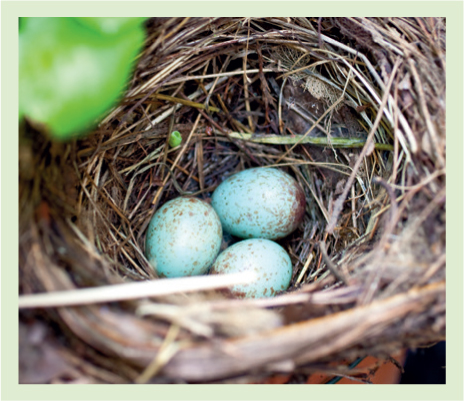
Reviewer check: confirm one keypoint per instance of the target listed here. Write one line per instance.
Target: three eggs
(259, 205)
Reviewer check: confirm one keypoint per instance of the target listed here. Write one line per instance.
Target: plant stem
(289, 140)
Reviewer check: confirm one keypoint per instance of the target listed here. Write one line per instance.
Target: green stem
(290, 140)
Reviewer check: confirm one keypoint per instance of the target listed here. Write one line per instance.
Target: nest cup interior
(302, 95)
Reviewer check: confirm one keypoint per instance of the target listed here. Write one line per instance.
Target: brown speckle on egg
(268, 203)
(188, 245)
(267, 259)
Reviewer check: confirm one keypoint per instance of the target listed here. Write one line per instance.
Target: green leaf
(111, 25)
(21, 22)
(69, 75)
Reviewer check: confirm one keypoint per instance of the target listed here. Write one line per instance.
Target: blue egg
(183, 238)
(259, 203)
(267, 259)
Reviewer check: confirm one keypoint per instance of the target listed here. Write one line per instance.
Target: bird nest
(352, 108)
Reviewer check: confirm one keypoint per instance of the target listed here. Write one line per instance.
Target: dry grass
(353, 108)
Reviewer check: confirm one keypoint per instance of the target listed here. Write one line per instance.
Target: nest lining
(368, 260)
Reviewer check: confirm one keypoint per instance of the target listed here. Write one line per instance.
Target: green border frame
(11, 390)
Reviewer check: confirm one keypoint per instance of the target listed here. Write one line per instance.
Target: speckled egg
(259, 203)
(183, 238)
(266, 258)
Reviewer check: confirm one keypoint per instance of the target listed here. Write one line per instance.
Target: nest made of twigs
(353, 108)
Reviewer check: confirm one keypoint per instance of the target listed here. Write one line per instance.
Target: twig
(185, 102)
(305, 267)
(332, 107)
(245, 82)
(333, 269)
(339, 203)
(167, 350)
(137, 290)
(219, 74)
(393, 210)
(430, 127)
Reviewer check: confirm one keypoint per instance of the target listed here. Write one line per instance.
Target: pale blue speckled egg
(183, 238)
(259, 203)
(267, 259)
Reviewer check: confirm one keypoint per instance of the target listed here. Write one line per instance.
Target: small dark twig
(332, 267)
(319, 29)
(396, 363)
